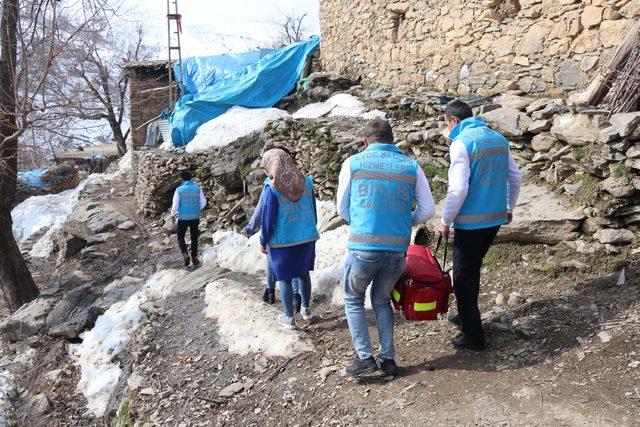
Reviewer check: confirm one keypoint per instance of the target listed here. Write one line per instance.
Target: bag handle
(446, 244)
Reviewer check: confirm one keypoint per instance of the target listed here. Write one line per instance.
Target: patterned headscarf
(284, 175)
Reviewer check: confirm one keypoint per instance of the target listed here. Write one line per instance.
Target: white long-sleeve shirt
(176, 203)
(425, 209)
(459, 173)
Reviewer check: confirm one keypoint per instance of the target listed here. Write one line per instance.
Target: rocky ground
(564, 339)
(559, 295)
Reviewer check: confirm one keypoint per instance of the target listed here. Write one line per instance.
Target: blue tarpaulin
(32, 178)
(201, 72)
(259, 85)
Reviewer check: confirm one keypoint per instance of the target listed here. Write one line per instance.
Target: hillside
(122, 335)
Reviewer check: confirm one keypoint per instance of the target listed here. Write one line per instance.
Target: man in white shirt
(188, 201)
(376, 190)
(484, 182)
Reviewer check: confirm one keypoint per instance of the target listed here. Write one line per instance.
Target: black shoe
(454, 319)
(271, 296)
(265, 296)
(461, 341)
(187, 260)
(297, 303)
(196, 261)
(388, 366)
(362, 367)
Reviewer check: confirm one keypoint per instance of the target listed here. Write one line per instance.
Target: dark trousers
(469, 249)
(192, 225)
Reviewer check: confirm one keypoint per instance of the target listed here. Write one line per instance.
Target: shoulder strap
(435, 254)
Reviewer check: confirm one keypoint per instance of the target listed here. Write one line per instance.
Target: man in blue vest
(188, 201)
(376, 191)
(484, 182)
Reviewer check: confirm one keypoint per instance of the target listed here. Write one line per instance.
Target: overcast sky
(218, 26)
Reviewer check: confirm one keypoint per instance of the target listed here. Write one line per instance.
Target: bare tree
(17, 284)
(290, 28)
(30, 42)
(94, 79)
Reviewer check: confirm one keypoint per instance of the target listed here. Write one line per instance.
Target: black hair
(379, 130)
(185, 175)
(458, 109)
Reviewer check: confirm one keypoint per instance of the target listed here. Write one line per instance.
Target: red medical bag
(424, 289)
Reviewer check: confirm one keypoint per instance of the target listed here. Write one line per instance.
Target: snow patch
(246, 325)
(326, 212)
(45, 214)
(45, 245)
(235, 123)
(37, 214)
(331, 251)
(341, 104)
(112, 331)
(8, 393)
(236, 252)
(125, 164)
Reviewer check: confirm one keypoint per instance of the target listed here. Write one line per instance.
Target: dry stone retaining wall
(589, 158)
(479, 46)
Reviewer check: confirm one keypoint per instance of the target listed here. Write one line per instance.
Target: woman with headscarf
(254, 224)
(289, 230)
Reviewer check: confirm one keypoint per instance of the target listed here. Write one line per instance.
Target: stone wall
(231, 177)
(589, 159)
(479, 46)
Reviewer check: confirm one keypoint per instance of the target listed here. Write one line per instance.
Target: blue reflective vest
(296, 222)
(383, 181)
(486, 202)
(189, 201)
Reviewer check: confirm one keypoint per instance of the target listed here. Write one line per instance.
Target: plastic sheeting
(201, 72)
(32, 178)
(259, 85)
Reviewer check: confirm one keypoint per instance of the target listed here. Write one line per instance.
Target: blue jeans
(286, 293)
(381, 270)
(271, 284)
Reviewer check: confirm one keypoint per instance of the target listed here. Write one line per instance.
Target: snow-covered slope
(112, 331)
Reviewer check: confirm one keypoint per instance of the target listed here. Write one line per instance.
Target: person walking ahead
(188, 201)
(255, 222)
(484, 182)
(289, 231)
(376, 191)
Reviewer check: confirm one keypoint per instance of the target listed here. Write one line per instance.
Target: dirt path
(566, 352)
(537, 373)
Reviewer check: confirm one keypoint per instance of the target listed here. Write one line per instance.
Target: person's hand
(263, 250)
(509, 217)
(444, 230)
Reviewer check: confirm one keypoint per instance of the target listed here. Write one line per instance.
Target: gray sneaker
(306, 313)
(362, 367)
(286, 322)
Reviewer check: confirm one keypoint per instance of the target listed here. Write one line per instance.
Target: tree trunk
(120, 142)
(17, 284)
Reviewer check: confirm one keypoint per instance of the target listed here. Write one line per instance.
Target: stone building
(149, 95)
(480, 46)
